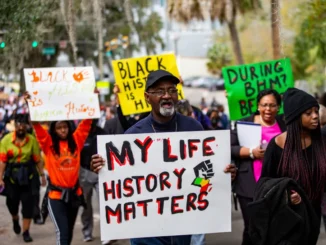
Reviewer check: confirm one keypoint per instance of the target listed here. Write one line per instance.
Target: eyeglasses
(160, 93)
(271, 106)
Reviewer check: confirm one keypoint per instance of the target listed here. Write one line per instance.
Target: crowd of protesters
(291, 155)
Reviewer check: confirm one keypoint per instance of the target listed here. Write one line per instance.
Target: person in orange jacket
(62, 147)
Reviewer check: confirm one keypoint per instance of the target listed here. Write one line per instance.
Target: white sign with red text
(65, 93)
(164, 184)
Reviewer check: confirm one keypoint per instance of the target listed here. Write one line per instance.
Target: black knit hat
(296, 102)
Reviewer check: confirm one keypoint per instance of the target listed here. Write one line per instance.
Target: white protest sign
(65, 93)
(164, 184)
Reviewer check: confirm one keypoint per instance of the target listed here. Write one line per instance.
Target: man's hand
(295, 198)
(181, 80)
(43, 181)
(258, 153)
(97, 163)
(116, 90)
(231, 168)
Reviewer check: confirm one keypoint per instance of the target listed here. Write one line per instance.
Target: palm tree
(130, 19)
(97, 8)
(68, 14)
(223, 10)
(275, 22)
(144, 30)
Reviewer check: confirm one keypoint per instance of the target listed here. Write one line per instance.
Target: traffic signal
(114, 43)
(2, 45)
(107, 46)
(34, 44)
(125, 41)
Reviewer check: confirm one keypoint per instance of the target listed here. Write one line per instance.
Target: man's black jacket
(90, 147)
(275, 221)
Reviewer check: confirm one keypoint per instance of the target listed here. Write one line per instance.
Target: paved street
(44, 234)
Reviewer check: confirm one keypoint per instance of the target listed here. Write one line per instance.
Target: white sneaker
(88, 239)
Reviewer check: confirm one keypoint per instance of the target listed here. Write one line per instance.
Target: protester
(224, 120)
(214, 103)
(184, 108)
(162, 95)
(113, 126)
(62, 147)
(202, 118)
(299, 153)
(21, 166)
(215, 119)
(249, 160)
(203, 103)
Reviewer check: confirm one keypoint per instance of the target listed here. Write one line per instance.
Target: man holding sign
(161, 93)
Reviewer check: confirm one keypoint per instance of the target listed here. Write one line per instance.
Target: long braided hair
(295, 164)
(56, 140)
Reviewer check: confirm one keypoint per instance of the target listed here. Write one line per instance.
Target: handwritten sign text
(61, 93)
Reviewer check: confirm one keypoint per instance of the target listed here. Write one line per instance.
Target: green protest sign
(244, 82)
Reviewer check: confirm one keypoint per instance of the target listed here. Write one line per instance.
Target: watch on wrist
(251, 154)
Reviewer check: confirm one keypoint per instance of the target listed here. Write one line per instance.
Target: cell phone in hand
(263, 145)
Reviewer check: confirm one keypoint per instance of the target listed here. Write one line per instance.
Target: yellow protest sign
(131, 75)
(134, 102)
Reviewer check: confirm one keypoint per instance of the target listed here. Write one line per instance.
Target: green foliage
(147, 24)
(218, 56)
(249, 5)
(313, 28)
(310, 43)
(20, 19)
(148, 30)
(22, 22)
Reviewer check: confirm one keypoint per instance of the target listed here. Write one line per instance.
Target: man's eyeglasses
(160, 93)
(271, 106)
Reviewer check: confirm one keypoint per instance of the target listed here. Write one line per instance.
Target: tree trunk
(69, 20)
(98, 18)
(275, 22)
(235, 42)
(130, 19)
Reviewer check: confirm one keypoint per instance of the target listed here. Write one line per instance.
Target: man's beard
(167, 112)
